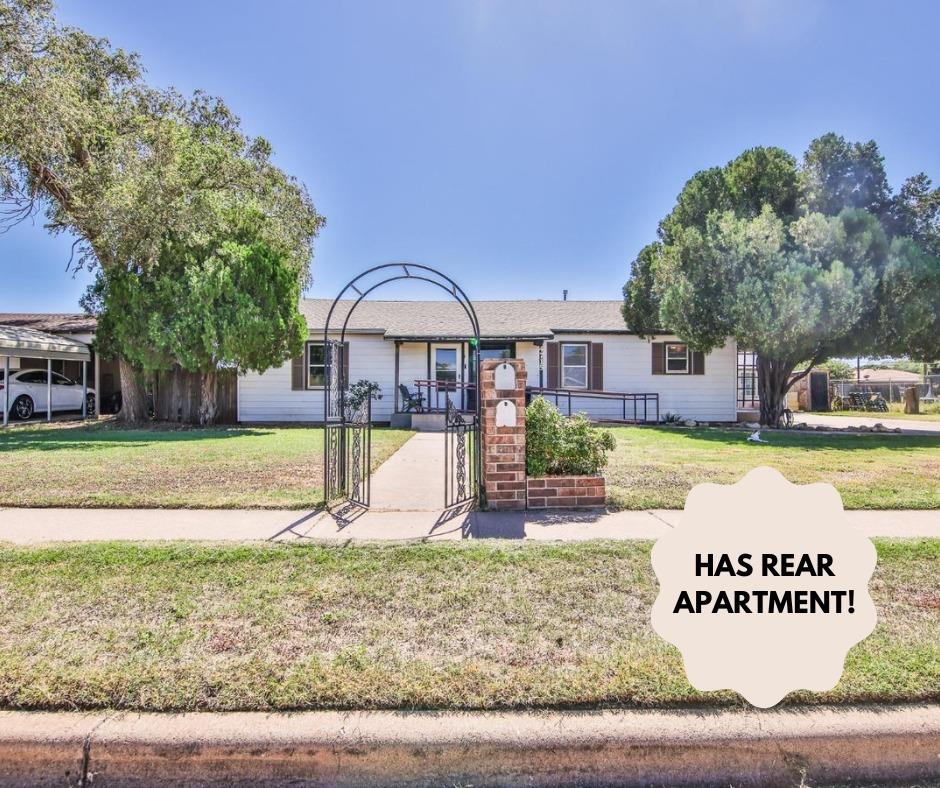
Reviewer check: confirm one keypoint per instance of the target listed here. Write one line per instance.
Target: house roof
(447, 319)
(28, 342)
(53, 322)
(884, 375)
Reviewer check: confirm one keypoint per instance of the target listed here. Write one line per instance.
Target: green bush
(559, 446)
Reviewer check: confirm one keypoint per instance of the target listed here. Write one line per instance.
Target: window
(677, 359)
(32, 377)
(61, 380)
(574, 366)
(316, 365)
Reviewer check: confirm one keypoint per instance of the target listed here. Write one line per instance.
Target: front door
(446, 372)
(498, 350)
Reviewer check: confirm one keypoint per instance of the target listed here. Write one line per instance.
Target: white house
(573, 351)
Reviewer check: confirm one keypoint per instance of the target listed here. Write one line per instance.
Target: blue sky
(522, 147)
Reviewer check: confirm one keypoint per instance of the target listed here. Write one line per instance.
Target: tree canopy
(797, 262)
(159, 191)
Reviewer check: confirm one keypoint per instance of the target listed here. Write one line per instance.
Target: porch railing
(626, 407)
(436, 394)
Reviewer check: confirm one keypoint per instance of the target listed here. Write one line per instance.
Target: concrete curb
(684, 747)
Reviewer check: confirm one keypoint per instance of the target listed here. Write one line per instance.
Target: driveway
(907, 426)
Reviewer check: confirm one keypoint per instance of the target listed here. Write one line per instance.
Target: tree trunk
(133, 398)
(208, 409)
(773, 383)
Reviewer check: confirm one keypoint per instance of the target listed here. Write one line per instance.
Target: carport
(24, 342)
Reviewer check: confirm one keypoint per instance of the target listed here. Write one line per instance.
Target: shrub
(356, 396)
(556, 445)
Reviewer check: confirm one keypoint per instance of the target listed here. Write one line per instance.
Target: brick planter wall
(549, 492)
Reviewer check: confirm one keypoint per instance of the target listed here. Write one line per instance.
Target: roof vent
(564, 295)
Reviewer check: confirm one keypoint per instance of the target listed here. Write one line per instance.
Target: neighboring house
(573, 346)
(890, 376)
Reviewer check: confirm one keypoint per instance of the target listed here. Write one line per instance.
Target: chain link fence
(891, 390)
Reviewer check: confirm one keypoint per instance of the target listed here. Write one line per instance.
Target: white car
(28, 393)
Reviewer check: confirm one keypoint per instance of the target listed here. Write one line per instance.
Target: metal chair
(410, 402)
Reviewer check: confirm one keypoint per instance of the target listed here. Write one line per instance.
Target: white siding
(268, 397)
(529, 352)
(412, 365)
(627, 368)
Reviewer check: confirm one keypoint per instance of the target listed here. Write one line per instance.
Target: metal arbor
(347, 452)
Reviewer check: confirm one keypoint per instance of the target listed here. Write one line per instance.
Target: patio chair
(410, 402)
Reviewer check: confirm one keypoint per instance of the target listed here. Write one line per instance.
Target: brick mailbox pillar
(503, 446)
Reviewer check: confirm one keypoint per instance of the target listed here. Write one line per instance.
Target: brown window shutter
(346, 363)
(659, 358)
(297, 371)
(698, 363)
(551, 351)
(597, 366)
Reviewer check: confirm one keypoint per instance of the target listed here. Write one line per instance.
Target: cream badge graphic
(763, 587)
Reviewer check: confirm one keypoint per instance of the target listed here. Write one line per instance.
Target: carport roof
(30, 343)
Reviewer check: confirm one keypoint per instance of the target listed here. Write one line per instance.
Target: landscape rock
(690, 423)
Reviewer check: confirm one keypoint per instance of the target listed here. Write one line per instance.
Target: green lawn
(656, 467)
(474, 625)
(107, 466)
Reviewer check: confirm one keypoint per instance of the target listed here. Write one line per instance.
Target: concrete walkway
(744, 747)
(35, 526)
(907, 426)
(412, 479)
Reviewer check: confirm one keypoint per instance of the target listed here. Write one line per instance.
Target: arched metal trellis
(348, 437)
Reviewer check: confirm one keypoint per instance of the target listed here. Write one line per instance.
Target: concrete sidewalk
(796, 746)
(34, 526)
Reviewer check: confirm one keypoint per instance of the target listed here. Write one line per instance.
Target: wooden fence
(177, 395)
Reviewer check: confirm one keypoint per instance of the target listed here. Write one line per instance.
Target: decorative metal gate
(347, 436)
(461, 445)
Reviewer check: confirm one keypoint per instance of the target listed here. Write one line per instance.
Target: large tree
(797, 263)
(126, 169)
(227, 302)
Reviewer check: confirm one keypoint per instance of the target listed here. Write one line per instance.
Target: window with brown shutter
(315, 377)
(575, 365)
(698, 362)
(659, 358)
(597, 366)
(551, 355)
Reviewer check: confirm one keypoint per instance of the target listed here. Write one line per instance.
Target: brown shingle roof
(54, 322)
(446, 319)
